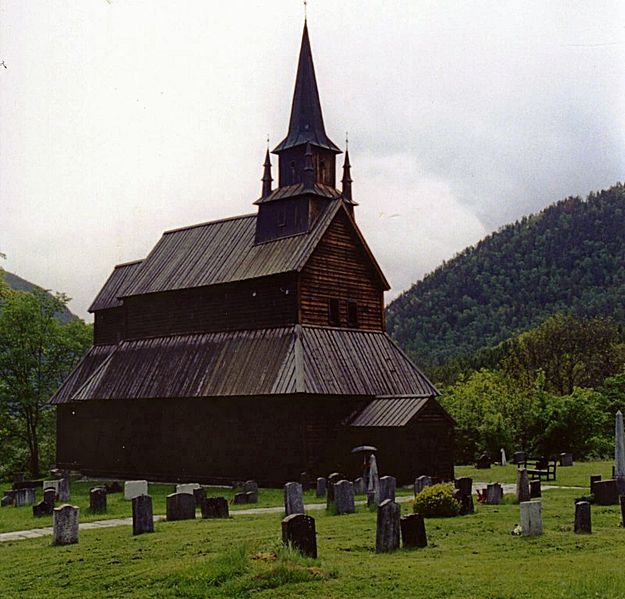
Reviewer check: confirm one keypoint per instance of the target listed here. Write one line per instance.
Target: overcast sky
(120, 119)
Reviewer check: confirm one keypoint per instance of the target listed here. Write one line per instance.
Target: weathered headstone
(531, 518)
(344, 497)
(180, 506)
(52, 484)
(65, 521)
(251, 497)
(494, 494)
(464, 485)
(250, 486)
(522, 485)
(239, 498)
(387, 527)
(49, 496)
(8, 498)
(465, 501)
(333, 478)
(187, 487)
(24, 497)
(535, 489)
(566, 459)
(43, 508)
(321, 487)
(421, 482)
(97, 500)
(413, 531)
(504, 461)
(298, 532)
(359, 486)
(582, 517)
(62, 491)
(594, 478)
(215, 507)
(134, 488)
(388, 486)
(199, 494)
(293, 498)
(305, 481)
(518, 457)
(483, 462)
(373, 486)
(142, 515)
(606, 492)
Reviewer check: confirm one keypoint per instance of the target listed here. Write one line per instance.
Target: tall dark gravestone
(582, 517)
(413, 531)
(142, 515)
(97, 500)
(298, 532)
(215, 507)
(180, 506)
(387, 527)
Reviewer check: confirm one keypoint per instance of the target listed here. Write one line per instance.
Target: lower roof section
(296, 359)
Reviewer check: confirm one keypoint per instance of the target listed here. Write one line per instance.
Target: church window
(352, 314)
(334, 312)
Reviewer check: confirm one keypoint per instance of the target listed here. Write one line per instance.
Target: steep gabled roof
(114, 287)
(287, 360)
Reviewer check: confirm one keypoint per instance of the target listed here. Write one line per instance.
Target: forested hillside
(569, 258)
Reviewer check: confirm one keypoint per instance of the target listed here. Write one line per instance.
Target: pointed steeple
(347, 177)
(267, 178)
(306, 124)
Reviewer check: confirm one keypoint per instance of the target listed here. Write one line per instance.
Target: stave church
(254, 347)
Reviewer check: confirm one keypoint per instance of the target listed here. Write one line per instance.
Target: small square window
(334, 312)
(352, 314)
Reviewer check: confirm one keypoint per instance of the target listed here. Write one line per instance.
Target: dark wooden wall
(109, 326)
(339, 268)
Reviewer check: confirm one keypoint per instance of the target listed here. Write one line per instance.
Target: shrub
(436, 500)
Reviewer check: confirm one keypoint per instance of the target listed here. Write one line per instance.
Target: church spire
(347, 177)
(267, 178)
(306, 124)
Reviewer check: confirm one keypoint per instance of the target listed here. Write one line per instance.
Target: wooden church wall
(109, 326)
(339, 269)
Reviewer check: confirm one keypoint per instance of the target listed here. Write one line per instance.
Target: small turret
(267, 178)
(347, 178)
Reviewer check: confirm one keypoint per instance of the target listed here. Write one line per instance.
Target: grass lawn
(468, 557)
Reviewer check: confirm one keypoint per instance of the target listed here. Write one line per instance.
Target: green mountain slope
(19, 284)
(568, 258)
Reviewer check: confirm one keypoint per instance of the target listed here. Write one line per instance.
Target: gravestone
(199, 495)
(535, 489)
(606, 492)
(24, 497)
(187, 488)
(594, 478)
(464, 485)
(142, 515)
(518, 457)
(250, 486)
(134, 488)
(373, 482)
(180, 506)
(321, 487)
(239, 498)
(483, 462)
(494, 494)
(298, 532)
(388, 486)
(359, 486)
(504, 461)
(465, 501)
(251, 497)
(46, 506)
(62, 491)
(65, 521)
(8, 498)
(387, 527)
(215, 507)
(333, 478)
(582, 517)
(97, 500)
(531, 518)
(305, 481)
(566, 459)
(52, 484)
(421, 482)
(293, 498)
(114, 487)
(344, 497)
(522, 485)
(49, 496)
(413, 531)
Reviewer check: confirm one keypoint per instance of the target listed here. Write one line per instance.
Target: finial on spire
(305, 10)
(267, 178)
(346, 141)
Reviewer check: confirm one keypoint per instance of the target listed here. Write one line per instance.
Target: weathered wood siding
(109, 326)
(339, 268)
(254, 304)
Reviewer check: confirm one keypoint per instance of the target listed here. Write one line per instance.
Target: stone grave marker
(293, 498)
(187, 487)
(97, 500)
(504, 461)
(298, 532)
(24, 497)
(62, 491)
(114, 487)
(305, 481)
(494, 494)
(65, 521)
(344, 497)
(251, 497)
(464, 485)
(134, 488)
(421, 482)
(582, 517)
(180, 506)
(388, 487)
(321, 487)
(594, 478)
(465, 501)
(199, 494)
(566, 459)
(52, 484)
(8, 498)
(387, 527)
(142, 515)
(413, 531)
(531, 518)
(359, 486)
(333, 478)
(522, 485)
(250, 486)
(606, 492)
(535, 489)
(46, 506)
(239, 498)
(49, 496)
(215, 507)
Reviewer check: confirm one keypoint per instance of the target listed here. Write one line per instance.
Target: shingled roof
(113, 288)
(286, 360)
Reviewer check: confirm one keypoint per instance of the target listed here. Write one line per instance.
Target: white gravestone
(52, 484)
(531, 518)
(187, 488)
(504, 462)
(134, 488)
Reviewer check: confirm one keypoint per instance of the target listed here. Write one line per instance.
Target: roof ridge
(130, 263)
(211, 222)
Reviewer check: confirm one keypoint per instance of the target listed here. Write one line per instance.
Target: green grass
(468, 557)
